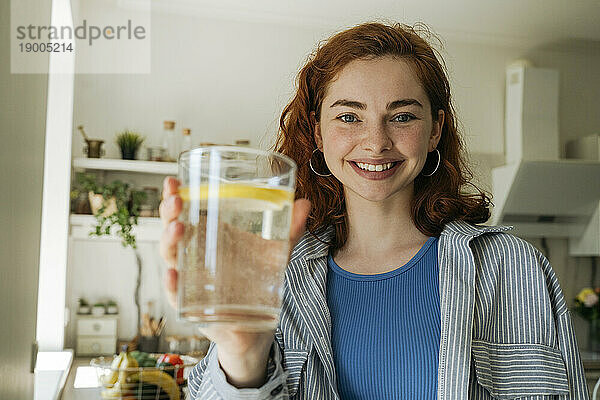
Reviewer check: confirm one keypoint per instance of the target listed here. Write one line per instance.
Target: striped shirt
(506, 330)
(385, 329)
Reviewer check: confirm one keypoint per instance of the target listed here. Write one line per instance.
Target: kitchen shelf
(108, 164)
(148, 229)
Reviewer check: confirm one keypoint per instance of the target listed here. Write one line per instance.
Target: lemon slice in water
(240, 196)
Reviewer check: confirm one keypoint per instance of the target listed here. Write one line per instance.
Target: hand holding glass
(237, 205)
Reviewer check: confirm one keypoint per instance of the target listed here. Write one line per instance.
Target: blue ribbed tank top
(386, 329)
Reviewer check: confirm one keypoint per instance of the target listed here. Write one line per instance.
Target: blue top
(504, 321)
(386, 329)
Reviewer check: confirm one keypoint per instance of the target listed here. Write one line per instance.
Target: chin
(373, 196)
(381, 192)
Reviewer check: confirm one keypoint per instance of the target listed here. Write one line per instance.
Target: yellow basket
(143, 383)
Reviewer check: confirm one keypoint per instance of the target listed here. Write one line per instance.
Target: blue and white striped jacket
(506, 331)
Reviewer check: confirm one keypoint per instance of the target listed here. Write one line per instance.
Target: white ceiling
(511, 22)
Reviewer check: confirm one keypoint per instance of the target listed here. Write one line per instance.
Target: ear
(317, 131)
(436, 131)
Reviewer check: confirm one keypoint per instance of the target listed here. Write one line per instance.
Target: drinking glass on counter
(237, 209)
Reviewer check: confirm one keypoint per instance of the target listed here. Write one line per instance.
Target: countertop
(51, 372)
(81, 369)
(88, 387)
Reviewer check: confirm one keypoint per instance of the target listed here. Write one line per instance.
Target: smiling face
(375, 128)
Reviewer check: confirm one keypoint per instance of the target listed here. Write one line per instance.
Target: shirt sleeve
(208, 381)
(568, 347)
(567, 342)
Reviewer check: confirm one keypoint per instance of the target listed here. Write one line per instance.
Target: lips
(374, 160)
(375, 175)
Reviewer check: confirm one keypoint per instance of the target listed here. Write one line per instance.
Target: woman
(393, 292)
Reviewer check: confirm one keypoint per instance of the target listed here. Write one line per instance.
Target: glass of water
(237, 209)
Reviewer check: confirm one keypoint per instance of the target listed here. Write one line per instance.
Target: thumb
(300, 213)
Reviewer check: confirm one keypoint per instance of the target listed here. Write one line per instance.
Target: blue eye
(403, 118)
(347, 118)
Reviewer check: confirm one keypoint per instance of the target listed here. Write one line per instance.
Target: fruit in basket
(119, 388)
(149, 391)
(159, 378)
(113, 393)
(143, 359)
(127, 363)
(167, 368)
(149, 362)
(112, 376)
(175, 361)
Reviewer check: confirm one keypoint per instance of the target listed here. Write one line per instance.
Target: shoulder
(504, 257)
(494, 245)
(313, 244)
(509, 248)
(494, 240)
(505, 243)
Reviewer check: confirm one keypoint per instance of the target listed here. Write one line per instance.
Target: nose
(376, 139)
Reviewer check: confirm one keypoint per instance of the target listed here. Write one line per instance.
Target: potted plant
(80, 203)
(114, 205)
(129, 142)
(84, 307)
(111, 307)
(98, 309)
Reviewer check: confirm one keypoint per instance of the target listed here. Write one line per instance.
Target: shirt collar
(315, 245)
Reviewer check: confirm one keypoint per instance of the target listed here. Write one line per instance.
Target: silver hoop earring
(438, 163)
(312, 168)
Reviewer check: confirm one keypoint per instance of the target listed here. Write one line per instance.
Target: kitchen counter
(82, 382)
(51, 372)
(87, 374)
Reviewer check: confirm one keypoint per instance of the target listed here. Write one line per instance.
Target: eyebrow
(390, 106)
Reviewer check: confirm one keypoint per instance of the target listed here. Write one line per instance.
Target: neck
(376, 228)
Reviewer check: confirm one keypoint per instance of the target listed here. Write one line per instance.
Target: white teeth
(375, 167)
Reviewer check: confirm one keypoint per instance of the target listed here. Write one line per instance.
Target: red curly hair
(438, 199)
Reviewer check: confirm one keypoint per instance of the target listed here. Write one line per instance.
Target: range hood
(536, 192)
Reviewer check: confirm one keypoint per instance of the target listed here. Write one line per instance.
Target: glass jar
(170, 141)
(177, 344)
(156, 153)
(186, 140)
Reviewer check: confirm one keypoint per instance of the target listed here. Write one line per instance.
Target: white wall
(102, 270)
(230, 80)
(225, 81)
(22, 128)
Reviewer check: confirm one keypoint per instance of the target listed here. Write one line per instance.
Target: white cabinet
(96, 335)
(531, 114)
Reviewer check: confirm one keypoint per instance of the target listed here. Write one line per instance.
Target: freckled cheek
(411, 143)
(337, 144)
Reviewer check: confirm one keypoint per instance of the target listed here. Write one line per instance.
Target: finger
(300, 213)
(168, 242)
(170, 208)
(170, 186)
(171, 286)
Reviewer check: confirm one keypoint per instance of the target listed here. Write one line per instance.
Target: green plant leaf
(129, 140)
(124, 218)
